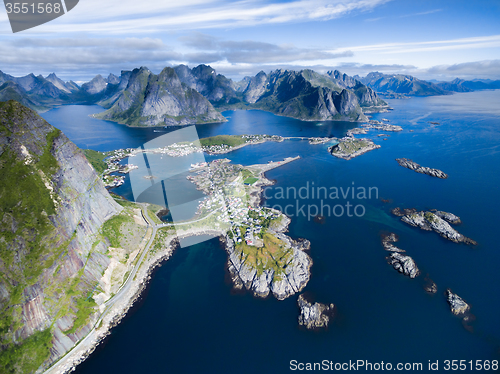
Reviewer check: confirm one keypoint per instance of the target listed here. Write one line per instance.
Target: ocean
(189, 320)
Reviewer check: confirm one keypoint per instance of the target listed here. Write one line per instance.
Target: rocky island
(314, 316)
(409, 164)
(457, 305)
(402, 263)
(349, 147)
(437, 221)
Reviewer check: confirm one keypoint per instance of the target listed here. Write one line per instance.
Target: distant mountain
(36, 92)
(455, 85)
(181, 95)
(159, 100)
(367, 97)
(304, 95)
(404, 85)
(473, 85)
(96, 86)
(256, 87)
(10, 90)
(67, 87)
(215, 87)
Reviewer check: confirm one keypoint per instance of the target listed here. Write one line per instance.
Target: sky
(437, 39)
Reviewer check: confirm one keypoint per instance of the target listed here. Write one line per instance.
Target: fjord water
(189, 320)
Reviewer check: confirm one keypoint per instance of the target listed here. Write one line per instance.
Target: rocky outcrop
(402, 263)
(457, 305)
(387, 241)
(160, 100)
(432, 222)
(409, 164)
(402, 212)
(448, 217)
(347, 148)
(430, 286)
(314, 316)
(282, 283)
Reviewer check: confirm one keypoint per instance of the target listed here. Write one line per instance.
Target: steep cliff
(215, 87)
(307, 95)
(51, 252)
(159, 100)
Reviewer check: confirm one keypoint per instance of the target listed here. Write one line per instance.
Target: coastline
(112, 317)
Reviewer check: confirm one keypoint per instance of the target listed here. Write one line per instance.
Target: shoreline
(112, 317)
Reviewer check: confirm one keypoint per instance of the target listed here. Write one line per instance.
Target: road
(86, 342)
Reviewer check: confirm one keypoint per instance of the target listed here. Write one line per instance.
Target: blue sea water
(189, 320)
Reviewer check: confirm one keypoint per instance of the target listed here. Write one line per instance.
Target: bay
(188, 320)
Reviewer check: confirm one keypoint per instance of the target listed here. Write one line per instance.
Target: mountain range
(181, 95)
(398, 85)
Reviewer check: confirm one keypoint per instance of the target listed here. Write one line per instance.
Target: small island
(314, 316)
(457, 305)
(402, 263)
(409, 164)
(439, 222)
(349, 147)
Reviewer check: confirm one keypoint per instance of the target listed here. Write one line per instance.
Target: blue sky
(429, 39)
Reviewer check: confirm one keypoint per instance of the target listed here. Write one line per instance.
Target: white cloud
(125, 16)
(462, 43)
(252, 52)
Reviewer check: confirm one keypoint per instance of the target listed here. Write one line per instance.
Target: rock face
(402, 212)
(53, 206)
(366, 96)
(448, 217)
(305, 95)
(430, 221)
(401, 84)
(409, 164)
(215, 87)
(293, 279)
(160, 100)
(314, 316)
(95, 86)
(457, 305)
(63, 86)
(402, 263)
(256, 87)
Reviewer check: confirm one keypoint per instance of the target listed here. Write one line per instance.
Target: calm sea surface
(189, 321)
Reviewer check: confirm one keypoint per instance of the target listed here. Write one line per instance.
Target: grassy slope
(95, 159)
(230, 140)
(25, 200)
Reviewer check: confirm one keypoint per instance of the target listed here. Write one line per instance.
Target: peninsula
(261, 258)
